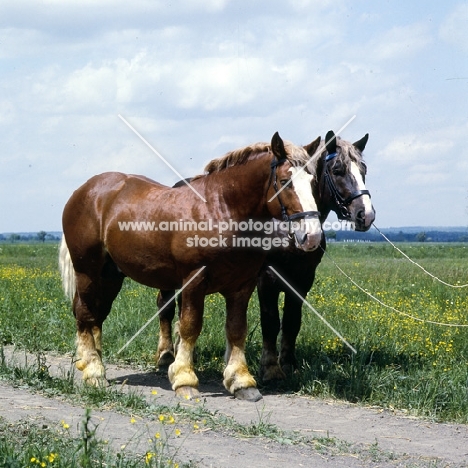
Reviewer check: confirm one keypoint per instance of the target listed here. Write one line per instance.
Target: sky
(197, 78)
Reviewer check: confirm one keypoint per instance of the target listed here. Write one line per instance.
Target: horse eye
(338, 169)
(283, 182)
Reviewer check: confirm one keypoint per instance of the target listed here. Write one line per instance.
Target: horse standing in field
(338, 185)
(96, 254)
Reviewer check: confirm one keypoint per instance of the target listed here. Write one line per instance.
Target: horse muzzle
(364, 219)
(306, 230)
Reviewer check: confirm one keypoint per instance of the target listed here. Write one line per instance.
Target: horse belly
(145, 259)
(233, 272)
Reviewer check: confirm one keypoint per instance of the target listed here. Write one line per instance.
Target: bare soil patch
(364, 436)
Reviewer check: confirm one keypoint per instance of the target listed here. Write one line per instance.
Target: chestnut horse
(338, 185)
(98, 250)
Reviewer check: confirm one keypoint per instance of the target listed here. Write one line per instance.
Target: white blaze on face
(302, 186)
(302, 183)
(369, 210)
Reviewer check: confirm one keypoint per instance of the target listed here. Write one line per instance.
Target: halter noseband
(341, 203)
(304, 214)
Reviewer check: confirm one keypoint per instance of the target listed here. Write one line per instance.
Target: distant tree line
(41, 236)
(401, 236)
(338, 236)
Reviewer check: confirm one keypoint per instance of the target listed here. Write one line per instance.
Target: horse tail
(66, 270)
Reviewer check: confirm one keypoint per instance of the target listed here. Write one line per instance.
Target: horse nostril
(361, 215)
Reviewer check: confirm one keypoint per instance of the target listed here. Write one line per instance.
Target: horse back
(91, 206)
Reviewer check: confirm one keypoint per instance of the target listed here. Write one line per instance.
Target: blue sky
(200, 77)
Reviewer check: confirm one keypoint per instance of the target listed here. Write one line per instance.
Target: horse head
(289, 194)
(341, 176)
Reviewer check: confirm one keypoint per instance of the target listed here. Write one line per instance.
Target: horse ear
(311, 148)
(330, 142)
(361, 144)
(277, 146)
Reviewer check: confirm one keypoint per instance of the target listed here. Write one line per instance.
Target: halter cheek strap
(274, 164)
(341, 203)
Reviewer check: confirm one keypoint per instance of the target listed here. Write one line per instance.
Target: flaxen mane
(296, 155)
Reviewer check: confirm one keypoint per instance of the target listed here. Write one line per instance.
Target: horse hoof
(272, 374)
(165, 360)
(248, 394)
(187, 393)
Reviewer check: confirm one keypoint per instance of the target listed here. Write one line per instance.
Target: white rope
(417, 264)
(336, 332)
(387, 306)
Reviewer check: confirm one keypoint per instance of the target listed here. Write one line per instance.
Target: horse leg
(181, 373)
(165, 354)
(268, 295)
(237, 378)
(91, 305)
(291, 324)
(292, 311)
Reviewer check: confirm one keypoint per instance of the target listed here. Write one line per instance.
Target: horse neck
(242, 188)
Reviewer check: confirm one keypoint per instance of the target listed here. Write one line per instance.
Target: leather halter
(341, 203)
(288, 218)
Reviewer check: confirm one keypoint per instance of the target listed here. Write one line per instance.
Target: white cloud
(399, 42)
(198, 78)
(411, 148)
(427, 175)
(8, 114)
(454, 28)
(236, 82)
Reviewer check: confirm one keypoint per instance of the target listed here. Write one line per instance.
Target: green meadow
(402, 360)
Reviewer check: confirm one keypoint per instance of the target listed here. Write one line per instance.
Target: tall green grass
(403, 363)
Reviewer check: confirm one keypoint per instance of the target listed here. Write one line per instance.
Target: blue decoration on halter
(330, 156)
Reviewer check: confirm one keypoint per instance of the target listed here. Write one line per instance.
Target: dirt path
(402, 441)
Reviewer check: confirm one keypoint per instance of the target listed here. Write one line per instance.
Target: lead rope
(386, 305)
(417, 264)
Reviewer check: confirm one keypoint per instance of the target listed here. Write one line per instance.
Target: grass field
(400, 362)
(28, 445)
